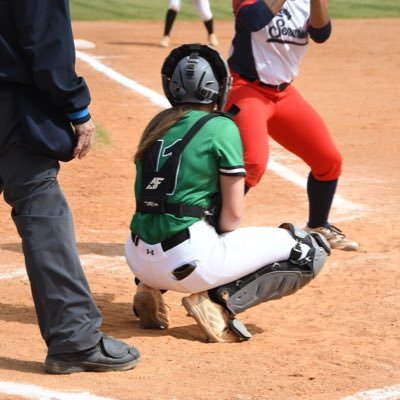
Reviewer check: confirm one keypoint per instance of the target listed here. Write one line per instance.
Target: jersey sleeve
(252, 14)
(320, 35)
(228, 148)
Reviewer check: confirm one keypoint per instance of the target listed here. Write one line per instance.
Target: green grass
(364, 8)
(102, 136)
(89, 10)
(137, 9)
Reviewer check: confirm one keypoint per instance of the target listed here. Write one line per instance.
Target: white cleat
(213, 40)
(164, 42)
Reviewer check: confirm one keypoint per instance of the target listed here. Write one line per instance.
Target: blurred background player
(205, 13)
(187, 155)
(271, 38)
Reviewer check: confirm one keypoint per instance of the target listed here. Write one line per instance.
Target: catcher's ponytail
(158, 126)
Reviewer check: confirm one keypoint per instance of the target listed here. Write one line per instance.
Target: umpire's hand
(85, 134)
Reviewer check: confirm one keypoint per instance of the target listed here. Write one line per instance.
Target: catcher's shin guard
(275, 280)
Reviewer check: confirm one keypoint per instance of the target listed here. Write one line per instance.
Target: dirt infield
(334, 338)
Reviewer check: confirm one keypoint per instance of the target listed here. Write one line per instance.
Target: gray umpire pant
(68, 318)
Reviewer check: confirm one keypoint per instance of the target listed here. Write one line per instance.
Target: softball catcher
(187, 155)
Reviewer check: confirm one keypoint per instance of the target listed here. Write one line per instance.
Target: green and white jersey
(216, 149)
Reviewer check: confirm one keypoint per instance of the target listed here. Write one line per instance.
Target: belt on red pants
(171, 242)
(278, 88)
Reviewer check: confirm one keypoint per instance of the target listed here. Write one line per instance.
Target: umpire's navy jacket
(37, 49)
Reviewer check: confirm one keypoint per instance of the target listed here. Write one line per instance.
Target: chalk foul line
(385, 393)
(40, 393)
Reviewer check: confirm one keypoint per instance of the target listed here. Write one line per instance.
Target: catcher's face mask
(196, 74)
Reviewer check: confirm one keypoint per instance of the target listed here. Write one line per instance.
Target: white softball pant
(203, 8)
(218, 259)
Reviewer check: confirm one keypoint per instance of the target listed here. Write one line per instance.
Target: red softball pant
(290, 121)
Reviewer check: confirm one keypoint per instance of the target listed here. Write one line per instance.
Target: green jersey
(216, 149)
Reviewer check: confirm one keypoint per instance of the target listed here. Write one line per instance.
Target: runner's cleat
(336, 238)
(164, 41)
(213, 40)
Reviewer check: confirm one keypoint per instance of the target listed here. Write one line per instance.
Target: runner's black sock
(209, 26)
(320, 197)
(169, 21)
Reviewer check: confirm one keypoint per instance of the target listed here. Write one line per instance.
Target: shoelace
(336, 231)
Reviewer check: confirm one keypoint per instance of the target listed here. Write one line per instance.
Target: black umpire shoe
(108, 355)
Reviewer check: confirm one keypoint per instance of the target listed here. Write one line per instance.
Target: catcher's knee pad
(319, 248)
(275, 280)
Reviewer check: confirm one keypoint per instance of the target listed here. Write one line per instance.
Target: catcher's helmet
(195, 73)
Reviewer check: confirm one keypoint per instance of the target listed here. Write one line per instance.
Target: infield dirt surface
(337, 336)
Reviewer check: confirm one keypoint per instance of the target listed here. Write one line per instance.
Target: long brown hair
(158, 126)
(163, 121)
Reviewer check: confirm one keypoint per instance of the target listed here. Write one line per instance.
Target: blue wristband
(78, 115)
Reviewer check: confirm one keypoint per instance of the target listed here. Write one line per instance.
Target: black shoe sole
(65, 367)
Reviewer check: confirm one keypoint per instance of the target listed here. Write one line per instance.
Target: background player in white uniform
(205, 13)
(173, 245)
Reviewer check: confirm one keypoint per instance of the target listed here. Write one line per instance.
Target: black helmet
(197, 74)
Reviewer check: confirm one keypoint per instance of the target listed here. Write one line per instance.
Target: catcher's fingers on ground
(85, 134)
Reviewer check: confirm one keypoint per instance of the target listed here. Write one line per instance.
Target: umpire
(39, 91)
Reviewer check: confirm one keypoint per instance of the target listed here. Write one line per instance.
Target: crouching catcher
(189, 155)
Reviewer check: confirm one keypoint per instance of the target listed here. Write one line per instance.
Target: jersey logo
(284, 12)
(281, 32)
(155, 183)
